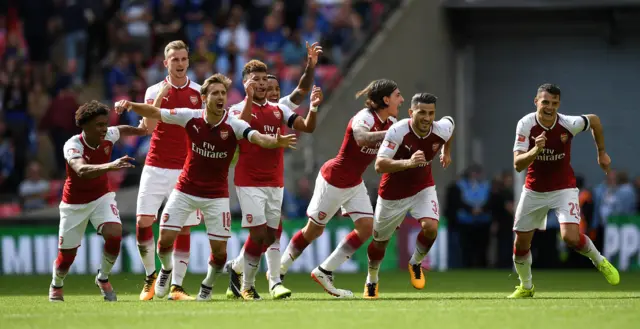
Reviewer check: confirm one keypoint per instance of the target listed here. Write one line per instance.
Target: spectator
(6, 159)
(203, 52)
(502, 211)
(473, 217)
(34, 189)
(75, 24)
(294, 49)
(234, 43)
(59, 121)
(167, 25)
(135, 14)
(269, 39)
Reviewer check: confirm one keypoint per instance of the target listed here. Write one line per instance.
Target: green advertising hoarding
(622, 242)
(30, 248)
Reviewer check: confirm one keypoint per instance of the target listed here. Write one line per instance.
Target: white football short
(156, 185)
(531, 213)
(327, 199)
(74, 219)
(260, 205)
(390, 213)
(214, 213)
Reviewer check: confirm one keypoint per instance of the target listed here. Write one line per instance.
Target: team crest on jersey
(564, 137)
(165, 218)
(107, 149)
(435, 146)
(224, 134)
(249, 218)
(277, 114)
(193, 99)
(322, 215)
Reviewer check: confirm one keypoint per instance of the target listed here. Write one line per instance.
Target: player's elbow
(380, 167)
(594, 120)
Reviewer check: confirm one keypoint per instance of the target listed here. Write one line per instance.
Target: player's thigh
(155, 186)
(217, 218)
(106, 211)
(425, 204)
(73, 223)
(325, 202)
(357, 203)
(273, 206)
(531, 212)
(388, 216)
(179, 206)
(252, 201)
(566, 204)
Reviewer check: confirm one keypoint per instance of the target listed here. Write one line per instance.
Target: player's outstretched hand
(445, 160)
(250, 87)
(604, 161)
(122, 163)
(286, 141)
(541, 141)
(316, 96)
(122, 106)
(418, 159)
(313, 52)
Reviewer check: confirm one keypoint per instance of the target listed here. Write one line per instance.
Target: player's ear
(204, 98)
(166, 64)
(410, 113)
(386, 100)
(535, 101)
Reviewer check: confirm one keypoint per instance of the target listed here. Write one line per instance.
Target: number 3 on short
(435, 207)
(226, 220)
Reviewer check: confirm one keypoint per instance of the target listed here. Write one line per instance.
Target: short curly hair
(89, 110)
(253, 66)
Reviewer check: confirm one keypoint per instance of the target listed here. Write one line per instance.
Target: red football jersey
(346, 169)
(210, 151)
(259, 167)
(168, 145)
(81, 191)
(551, 170)
(400, 143)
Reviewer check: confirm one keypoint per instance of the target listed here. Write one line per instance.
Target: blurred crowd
(57, 54)
(480, 216)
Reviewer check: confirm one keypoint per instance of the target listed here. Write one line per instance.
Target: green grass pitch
(457, 299)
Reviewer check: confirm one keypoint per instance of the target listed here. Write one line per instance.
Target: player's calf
(60, 270)
(375, 253)
(217, 262)
(146, 250)
(298, 243)
(165, 253)
(424, 241)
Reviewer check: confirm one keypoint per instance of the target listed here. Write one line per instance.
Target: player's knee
(166, 239)
(364, 228)
(312, 231)
(145, 220)
(112, 230)
(429, 227)
(258, 234)
(380, 244)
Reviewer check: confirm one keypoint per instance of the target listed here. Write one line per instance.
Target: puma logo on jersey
(408, 147)
(197, 129)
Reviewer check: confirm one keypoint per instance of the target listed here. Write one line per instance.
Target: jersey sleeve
(523, 132)
(286, 101)
(73, 149)
(235, 110)
(577, 124)
(113, 134)
(445, 127)
(150, 94)
(288, 116)
(241, 128)
(392, 140)
(179, 116)
(364, 120)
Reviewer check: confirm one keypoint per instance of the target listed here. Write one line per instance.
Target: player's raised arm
(132, 131)
(598, 136)
(145, 110)
(308, 124)
(304, 86)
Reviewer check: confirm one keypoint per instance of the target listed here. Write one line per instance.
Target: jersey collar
(84, 141)
(174, 86)
(543, 127)
(415, 133)
(266, 101)
(204, 117)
